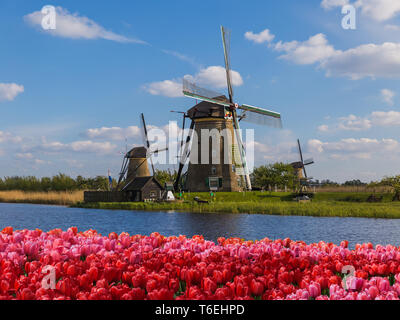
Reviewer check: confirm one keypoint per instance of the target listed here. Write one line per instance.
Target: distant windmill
(300, 167)
(216, 111)
(135, 163)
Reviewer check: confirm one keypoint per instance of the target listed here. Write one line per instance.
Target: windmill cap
(206, 109)
(138, 152)
(297, 165)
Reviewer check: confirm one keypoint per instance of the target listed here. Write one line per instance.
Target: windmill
(300, 168)
(135, 163)
(216, 111)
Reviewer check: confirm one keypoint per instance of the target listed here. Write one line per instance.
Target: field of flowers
(87, 265)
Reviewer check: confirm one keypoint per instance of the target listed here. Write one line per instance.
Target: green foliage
(354, 183)
(164, 176)
(393, 182)
(60, 182)
(277, 174)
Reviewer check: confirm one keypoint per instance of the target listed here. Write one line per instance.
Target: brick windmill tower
(221, 165)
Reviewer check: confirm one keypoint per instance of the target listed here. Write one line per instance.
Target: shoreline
(327, 204)
(313, 209)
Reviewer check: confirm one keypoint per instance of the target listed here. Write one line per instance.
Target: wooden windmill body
(220, 175)
(217, 112)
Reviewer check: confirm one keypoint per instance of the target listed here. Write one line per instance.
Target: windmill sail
(143, 123)
(260, 116)
(226, 35)
(193, 91)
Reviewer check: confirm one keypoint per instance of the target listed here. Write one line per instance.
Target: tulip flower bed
(90, 266)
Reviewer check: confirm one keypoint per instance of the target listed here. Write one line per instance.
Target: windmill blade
(158, 151)
(301, 158)
(192, 91)
(260, 116)
(147, 139)
(242, 151)
(184, 156)
(308, 162)
(124, 169)
(226, 35)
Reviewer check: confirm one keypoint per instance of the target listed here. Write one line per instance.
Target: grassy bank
(325, 204)
(53, 198)
(316, 209)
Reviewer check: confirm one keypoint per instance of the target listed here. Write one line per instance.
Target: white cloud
(27, 155)
(369, 60)
(85, 146)
(74, 26)
(392, 27)
(213, 76)
(356, 123)
(263, 36)
(378, 10)
(329, 4)
(323, 128)
(166, 88)
(385, 119)
(315, 49)
(8, 91)
(387, 96)
(113, 133)
(363, 148)
(8, 137)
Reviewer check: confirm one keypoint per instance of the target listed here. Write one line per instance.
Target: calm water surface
(212, 226)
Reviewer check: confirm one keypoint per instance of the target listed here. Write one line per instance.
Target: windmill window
(153, 194)
(213, 170)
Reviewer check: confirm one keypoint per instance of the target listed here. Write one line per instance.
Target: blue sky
(62, 91)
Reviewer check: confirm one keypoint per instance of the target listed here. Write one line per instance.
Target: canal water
(211, 226)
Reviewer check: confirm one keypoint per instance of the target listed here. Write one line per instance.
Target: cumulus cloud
(363, 148)
(113, 133)
(26, 155)
(357, 123)
(378, 10)
(315, 49)
(9, 91)
(329, 4)
(166, 88)
(213, 76)
(368, 60)
(8, 137)
(262, 37)
(74, 26)
(387, 96)
(86, 146)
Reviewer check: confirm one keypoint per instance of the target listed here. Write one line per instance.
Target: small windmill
(216, 111)
(135, 163)
(300, 168)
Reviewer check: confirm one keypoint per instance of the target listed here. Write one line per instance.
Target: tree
(277, 174)
(164, 176)
(354, 183)
(393, 182)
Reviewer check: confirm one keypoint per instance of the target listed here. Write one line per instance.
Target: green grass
(258, 196)
(273, 207)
